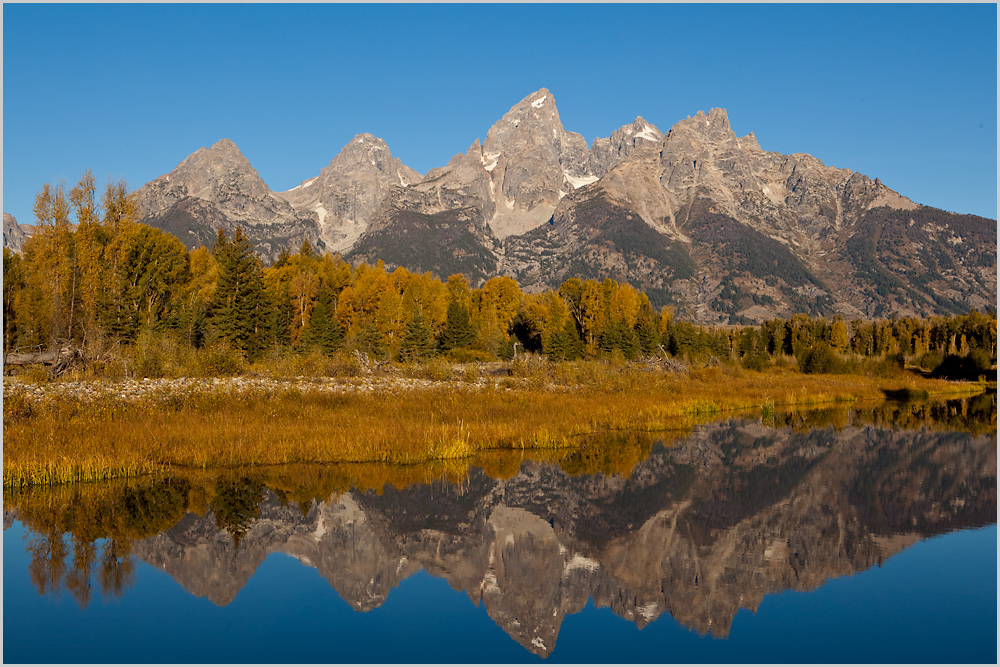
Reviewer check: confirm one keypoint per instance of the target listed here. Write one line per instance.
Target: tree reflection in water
(696, 524)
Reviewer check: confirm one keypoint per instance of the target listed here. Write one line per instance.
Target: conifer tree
(323, 330)
(458, 331)
(13, 283)
(306, 250)
(647, 333)
(418, 341)
(617, 335)
(574, 345)
(555, 350)
(369, 339)
(240, 308)
(283, 258)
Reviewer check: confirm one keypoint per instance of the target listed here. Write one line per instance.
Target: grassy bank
(543, 408)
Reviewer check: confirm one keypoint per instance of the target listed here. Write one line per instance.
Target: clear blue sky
(906, 93)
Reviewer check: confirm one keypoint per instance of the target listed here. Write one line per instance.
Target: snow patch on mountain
(304, 185)
(579, 182)
(321, 212)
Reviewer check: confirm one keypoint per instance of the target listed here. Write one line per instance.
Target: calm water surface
(862, 535)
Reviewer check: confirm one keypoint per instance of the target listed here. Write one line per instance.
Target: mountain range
(696, 217)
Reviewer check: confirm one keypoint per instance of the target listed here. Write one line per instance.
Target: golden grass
(55, 442)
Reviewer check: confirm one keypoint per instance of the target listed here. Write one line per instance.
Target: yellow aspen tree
(348, 309)
(120, 206)
(555, 316)
(624, 305)
(91, 238)
(391, 318)
(335, 273)
(372, 283)
(401, 279)
(437, 306)
(302, 289)
(501, 298)
(594, 315)
(458, 290)
(53, 260)
(838, 334)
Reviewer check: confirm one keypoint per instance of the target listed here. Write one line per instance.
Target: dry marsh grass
(540, 409)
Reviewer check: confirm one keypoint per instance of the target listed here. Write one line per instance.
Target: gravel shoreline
(135, 390)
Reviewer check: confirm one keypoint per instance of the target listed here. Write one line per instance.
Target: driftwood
(60, 358)
(366, 363)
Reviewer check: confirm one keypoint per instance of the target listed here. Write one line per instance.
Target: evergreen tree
(369, 339)
(647, 333)
(240, 307)
(324, 330)
(556, 348)
(306, 250)
(281, 316)
(458, 330)
(575, 348)
(566, 344)
(418, 341)
(13, 283)
(617, 335)
(508, 348)
(283, 258)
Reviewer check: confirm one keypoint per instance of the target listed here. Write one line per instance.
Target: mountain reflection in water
(697, 528)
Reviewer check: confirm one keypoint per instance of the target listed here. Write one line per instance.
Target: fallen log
(59, 359)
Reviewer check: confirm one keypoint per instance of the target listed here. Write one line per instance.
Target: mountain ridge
(507, 207)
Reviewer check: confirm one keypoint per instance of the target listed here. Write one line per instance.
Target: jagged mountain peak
(346, 193)
(216, 187)
(225, 144)
(713, 126)
(213, 173)
(643, 129)
(223, 150)
(365, 143)
(535, 116)
(532, 162)
(607, 153)
(367, 138)
(541, 99)
(202, 172)
(367, 151)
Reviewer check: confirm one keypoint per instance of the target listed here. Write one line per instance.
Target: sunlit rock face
(14, 233)
(216, 187)
(345, 195)
(698, 530)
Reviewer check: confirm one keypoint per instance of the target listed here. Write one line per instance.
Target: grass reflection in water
(924, 476)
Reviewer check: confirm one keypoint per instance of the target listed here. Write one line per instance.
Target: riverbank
(64, 432)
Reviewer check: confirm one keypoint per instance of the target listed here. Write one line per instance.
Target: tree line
(92, 274)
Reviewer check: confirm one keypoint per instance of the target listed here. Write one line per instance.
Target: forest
(140, 304)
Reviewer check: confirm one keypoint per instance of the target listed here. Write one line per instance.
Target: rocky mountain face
(216, 187)
(698, 530)
(14, 234)
(742, 234)
(698, 217)
(347, 192)
(456, 219)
